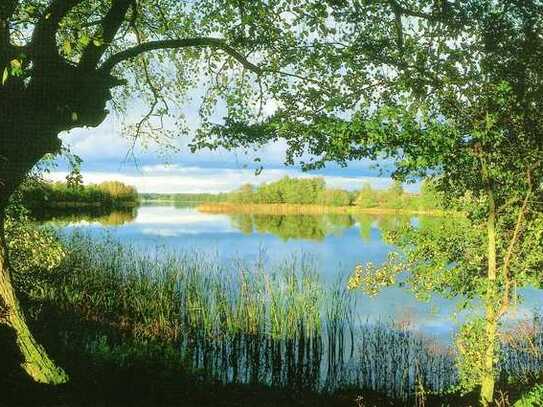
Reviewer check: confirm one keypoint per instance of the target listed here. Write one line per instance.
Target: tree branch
(399, 28)
(512, 243)
(211, 42)
(398, 8)
(109, 27)
(43, 41)
(6, 11)
(154, 90)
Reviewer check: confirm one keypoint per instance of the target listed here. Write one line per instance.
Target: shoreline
(311, 209)
(81, 205)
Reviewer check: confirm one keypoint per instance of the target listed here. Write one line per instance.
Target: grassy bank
(184, 197)
(310, 209)
(163, 328)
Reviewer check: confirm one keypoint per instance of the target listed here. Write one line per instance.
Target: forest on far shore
(108, 194)
(314, 191)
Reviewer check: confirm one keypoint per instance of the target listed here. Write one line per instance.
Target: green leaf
(16, 67)
(5, 76)
(67, 48)
(15, 64)
(84, 40)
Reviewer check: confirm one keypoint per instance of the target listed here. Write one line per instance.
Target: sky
(153, 169)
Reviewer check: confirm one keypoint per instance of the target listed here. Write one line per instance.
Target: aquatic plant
(244, 322)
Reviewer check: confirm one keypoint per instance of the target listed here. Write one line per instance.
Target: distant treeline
(185, 197)
(109, 194)
(313, 191)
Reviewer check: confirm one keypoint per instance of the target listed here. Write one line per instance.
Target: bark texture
(36, 362)
(32, 117)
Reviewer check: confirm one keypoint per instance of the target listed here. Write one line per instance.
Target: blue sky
(154, 169)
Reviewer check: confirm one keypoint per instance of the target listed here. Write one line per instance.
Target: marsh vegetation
(264, 323)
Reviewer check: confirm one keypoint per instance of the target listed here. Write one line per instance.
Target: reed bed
(276, 325)
(522, 350)
(310, 209)
(394, 361)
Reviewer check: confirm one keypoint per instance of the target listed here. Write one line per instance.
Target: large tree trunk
(22, 145)
(36, 362)
(59, 97)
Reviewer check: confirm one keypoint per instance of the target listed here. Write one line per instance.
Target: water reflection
(337, 242)
(69, 216)
(314, 227)
(391, 343)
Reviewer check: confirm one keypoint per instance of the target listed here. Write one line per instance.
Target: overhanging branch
(210, 42)
(109, 27)
(514, 239)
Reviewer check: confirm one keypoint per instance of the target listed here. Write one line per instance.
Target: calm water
(336, 243)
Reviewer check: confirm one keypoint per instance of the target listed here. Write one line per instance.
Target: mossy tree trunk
(489, 369)
(29, 130)
(36, 362)
(15, 164)
(59, 97)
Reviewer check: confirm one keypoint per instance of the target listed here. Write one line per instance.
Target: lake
(336, 243)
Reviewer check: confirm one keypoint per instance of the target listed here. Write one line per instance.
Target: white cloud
(106, 143)
(103, 142)
(171, 216)
(105, 149)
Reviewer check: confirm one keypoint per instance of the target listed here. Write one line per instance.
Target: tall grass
(237, 323)
(394, 360)
(242, 322)
(309, 209)
(521, 355)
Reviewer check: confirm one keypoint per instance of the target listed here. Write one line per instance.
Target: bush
(531, 399)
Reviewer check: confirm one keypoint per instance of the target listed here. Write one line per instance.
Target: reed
(308, 209)
(252, 323)
(521, 354)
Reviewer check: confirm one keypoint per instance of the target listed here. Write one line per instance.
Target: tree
(301, 190)
(394, 196)
(245, 194)
(335, 197)
(448, 90)
(429, 197)
(63, 63)
(367, 197)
